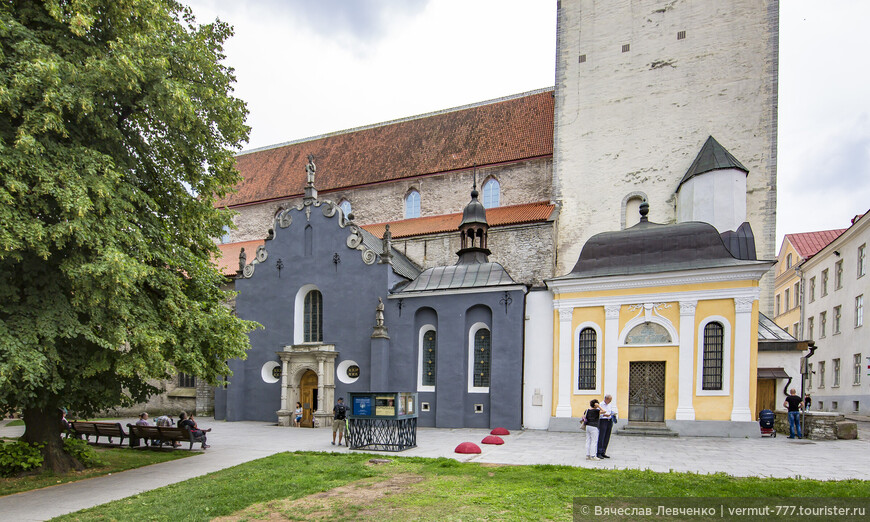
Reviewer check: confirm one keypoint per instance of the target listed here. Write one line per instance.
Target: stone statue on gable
(243, 258)
(310, 169)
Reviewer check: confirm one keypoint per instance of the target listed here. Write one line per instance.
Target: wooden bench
(166, 435)
(98, 429)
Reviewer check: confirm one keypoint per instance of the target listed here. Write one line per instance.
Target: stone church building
(666, 105)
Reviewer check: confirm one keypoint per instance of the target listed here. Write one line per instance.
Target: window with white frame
(479, 355)
(856, 366)
(824, 282)
(859, 310)
(795, 328)
(810, 376)
(788, 261)
(836, 379)
(412, 204)
(313, 317)
(778, 304)
(812, 289)
(587, 363)
(797, 293)
(838, 275)
(836, 328)
(428, 353)
(787, 300)
(823, 323)
(810, 325)
(346, 209)
(713, 355)
(491, 193)
(821, 374)
(862, 263)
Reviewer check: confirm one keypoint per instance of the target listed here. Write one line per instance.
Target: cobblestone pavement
(237, 442)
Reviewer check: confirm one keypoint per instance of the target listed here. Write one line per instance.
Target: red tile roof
(229, 260)
(808, 244)
(499, 216)
(505, 130)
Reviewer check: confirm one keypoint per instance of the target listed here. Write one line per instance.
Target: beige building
(640, 86)
(795, 249)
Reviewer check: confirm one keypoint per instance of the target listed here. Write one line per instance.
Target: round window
(271, 372)
(347, 372)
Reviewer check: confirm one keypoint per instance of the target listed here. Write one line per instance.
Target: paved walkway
(237, 442)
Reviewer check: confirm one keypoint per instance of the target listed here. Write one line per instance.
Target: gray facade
(318, 248)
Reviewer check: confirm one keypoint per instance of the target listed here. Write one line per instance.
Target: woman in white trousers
(592, 416)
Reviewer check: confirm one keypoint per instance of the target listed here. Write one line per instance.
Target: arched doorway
(308, 394)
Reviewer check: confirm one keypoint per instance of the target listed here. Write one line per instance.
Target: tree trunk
(44, 427)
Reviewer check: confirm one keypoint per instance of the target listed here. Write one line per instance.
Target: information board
(362, 405)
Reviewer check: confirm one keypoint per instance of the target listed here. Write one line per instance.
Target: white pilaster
(285, 380)
(563, 405)
(742, 340)
(685, 409)
(611, 351)
(321, 376)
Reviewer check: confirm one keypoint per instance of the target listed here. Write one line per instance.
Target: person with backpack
(339, 414)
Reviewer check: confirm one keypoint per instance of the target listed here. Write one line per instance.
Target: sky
(308, 67)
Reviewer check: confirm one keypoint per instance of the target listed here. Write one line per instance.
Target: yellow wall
(786, 279)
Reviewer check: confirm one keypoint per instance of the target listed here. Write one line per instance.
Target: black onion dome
(653, 247)
(474, 211)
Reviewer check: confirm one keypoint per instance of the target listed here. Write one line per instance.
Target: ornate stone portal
(295, 361)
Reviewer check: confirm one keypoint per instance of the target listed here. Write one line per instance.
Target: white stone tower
(640, 86)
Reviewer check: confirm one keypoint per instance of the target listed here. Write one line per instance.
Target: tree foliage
(112, 116)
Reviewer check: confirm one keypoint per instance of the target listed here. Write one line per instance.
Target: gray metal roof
(474, 211)
(653, 247)
(460, 276)
(401, 264)
(770, 331)
(713, 156)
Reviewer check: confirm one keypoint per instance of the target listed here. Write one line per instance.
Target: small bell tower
(473, 232)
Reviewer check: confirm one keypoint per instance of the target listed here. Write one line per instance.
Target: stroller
(765, 421)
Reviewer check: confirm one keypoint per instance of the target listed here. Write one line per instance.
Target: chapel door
(308, 387)
(646, 391)
(766, 397)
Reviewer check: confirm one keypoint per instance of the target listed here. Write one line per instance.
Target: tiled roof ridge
(820, 239)
(399, 120)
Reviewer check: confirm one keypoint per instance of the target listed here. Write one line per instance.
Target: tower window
(681, 35)
(582, 58)
(412, 205)
(491, 193)
(626, 48)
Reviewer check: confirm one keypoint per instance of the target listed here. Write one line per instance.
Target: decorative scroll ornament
(688, 307)
(612, 311)
(261, 256)
(648, 309)
(355, 242)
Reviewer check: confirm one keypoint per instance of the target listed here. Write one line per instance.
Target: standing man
(794, 405)
(339, 413)
(605, 425)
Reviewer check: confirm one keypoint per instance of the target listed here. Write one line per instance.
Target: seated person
(190, 424)
(143, 420)
(165, 420)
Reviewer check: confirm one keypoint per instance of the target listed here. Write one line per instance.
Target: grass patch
(307, 485)
(117, 459)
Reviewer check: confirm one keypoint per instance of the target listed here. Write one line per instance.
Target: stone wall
(817, 425)
(522, 182)
(635, 102)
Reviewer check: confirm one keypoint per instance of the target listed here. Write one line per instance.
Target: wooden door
(308, 387)
(765, 398)
(646, 391)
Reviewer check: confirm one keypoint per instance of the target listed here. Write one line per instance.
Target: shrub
(83, 453)
(16, 457)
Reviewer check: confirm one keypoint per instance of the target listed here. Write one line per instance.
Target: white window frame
(408, 201)
(423, 329)
(811, 328)
(822, 375)
(471, 331)
(837, 316)
(862, 260)
(640, 319)
(859, 311)
(488, 198)
(727, 350)
(299, 314)
(835, 379)
(857, 367)
(812, 289)
(599, 356)
(838, 275)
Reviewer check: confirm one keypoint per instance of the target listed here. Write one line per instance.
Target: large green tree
(117, 132)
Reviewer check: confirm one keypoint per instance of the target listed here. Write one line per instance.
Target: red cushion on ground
(500, 431)
(492, 439)
(467, 447)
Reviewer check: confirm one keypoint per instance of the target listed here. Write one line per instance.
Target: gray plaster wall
(451, 404)
(350, 290)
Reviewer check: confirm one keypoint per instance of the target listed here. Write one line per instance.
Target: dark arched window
(313, 318)
(713, 350)
(429, 354)
(482, 348)
(586, 360)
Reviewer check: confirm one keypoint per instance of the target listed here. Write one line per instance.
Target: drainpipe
(804, 372)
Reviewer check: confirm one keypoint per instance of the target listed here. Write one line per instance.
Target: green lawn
(348, 487)
(117, 459)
